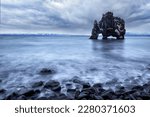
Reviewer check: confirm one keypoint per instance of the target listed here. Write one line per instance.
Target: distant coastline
(42, 35)
(25, 34)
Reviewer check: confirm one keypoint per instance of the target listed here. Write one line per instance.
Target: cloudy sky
(70, 16)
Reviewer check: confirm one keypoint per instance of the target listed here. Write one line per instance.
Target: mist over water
(112, 62)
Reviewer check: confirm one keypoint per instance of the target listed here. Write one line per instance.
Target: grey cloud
(70, 16)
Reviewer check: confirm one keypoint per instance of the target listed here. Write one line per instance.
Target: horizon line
(58, 34)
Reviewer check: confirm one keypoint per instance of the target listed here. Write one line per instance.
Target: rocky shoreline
(51, 90)
(75, 90)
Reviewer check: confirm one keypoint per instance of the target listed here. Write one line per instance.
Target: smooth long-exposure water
(121, 62)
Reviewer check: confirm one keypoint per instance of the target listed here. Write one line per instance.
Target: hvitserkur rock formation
(109, 26)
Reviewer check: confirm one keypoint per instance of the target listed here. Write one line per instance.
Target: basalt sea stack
(109, 26)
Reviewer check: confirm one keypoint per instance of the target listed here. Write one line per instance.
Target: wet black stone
(12, 96)
(21, 91)
(146, 85)
(77, 93)
(71, 90)
(42, 98)
(120, 90)
(86, 85)
(69, 85)
(61, 97)
(86, 93)
(145, 96)
(108, 95)
(120, 97)
(97, 85)
(37, 84)
(98, 97)
(22, 97)
(90, 90)
(138, 88)
(2, 91)
(137, 94)
(71, 93)
(146, 88)
(46, 71)
(31, 93)
(132, 97)
(76, 81)
(130, 92)
(56, 88)
(138, 98)
(83, 95)
(53, 85)
(98, 88)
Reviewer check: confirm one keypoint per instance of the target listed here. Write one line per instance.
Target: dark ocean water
(121, 62)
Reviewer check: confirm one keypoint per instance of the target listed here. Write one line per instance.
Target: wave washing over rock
(74, 68)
